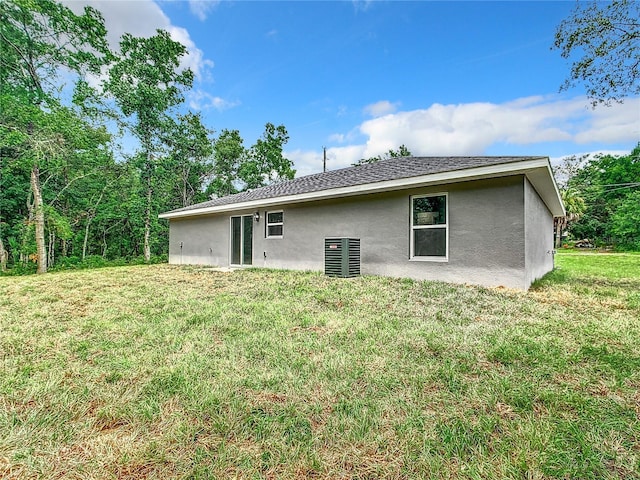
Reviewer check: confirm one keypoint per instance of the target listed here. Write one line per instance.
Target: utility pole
(324, 161)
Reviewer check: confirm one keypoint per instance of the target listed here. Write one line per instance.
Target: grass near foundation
(170, 372)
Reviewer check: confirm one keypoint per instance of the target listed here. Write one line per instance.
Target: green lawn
(174, 372)
(599, 265)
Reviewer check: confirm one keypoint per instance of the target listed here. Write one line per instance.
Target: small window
(275, 224)
(429, 227)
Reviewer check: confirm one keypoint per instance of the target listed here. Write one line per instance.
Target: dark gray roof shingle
(384, 170)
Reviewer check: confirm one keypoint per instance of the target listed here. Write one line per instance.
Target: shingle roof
(390, 169)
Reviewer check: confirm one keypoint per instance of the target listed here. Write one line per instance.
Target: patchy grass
(172, 372)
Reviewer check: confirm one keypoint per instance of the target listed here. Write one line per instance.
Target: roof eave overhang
(538, 171)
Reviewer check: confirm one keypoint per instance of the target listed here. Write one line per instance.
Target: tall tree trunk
(185, 177)
(559, 225)
(24, 256)
(187, 191)
(38, 219)
(4, 255)
(90, 216)
(147, 218)
(52, 248)
(86, 238)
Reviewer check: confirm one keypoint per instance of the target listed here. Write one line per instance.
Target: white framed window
(274, 226)
(430, 227)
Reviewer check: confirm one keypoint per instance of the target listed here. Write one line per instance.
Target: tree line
(602, 199)
(68, 190)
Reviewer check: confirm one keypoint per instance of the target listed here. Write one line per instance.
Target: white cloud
(383, 107)
(200, 8)
(200, 100)
(307, 162)
(469, 129)
(472, 128)
(341, 157)
(141, 19)
(348, 137)
(625, 127)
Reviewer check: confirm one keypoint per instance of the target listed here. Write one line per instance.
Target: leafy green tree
(568, 168)
(606, 183)
(81, 188)
(265, 162)
(190, 150)
(121, 209)
(228, 154)
(147, 85)
(625, 223)
(52, 145)
(41, 40)
(402, 151)
(606, 38)
(575, 207)
(14, 194)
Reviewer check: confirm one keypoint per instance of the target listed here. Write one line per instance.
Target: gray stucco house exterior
(476, 220)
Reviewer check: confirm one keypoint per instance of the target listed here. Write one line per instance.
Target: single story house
(476, 220)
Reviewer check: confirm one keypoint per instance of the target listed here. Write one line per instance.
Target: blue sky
(443, 78)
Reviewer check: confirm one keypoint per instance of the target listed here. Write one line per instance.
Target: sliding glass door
(241, 240)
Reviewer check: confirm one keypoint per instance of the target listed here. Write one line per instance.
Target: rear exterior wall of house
(499, 233)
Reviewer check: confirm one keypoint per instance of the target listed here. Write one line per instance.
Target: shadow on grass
(553, 278)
